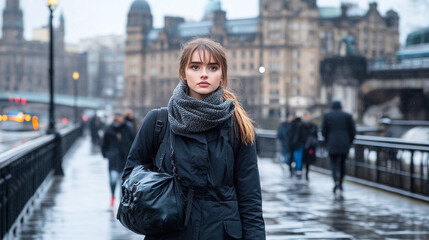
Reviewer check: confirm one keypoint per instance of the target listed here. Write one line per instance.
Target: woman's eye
(213, 68)
(195, 67)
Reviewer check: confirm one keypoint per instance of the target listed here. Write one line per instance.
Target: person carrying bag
(208, 153)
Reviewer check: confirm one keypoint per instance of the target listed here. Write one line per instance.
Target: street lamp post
(75, 78)
(51, 128)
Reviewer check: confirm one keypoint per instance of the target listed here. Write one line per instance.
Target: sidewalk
(295, 209)
(77, 207)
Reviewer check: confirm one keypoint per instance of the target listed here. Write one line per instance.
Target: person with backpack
(117, 140)
(208, 142)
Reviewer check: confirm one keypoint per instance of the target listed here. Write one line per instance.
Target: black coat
(116, 145)
(339, 130)
(227, 201)
(295, 136)
(309, 134)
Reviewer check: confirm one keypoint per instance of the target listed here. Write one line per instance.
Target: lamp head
(52, 3)
(75, 75)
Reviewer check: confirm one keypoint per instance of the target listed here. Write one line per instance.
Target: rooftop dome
(141, 6)
(212, 6)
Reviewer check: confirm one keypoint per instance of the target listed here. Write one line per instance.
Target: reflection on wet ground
(77, 207)
(295, 209)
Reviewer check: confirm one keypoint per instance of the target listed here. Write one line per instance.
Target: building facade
(105, 64)
(24, 64)
(274, 58)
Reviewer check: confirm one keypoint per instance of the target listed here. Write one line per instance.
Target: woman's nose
(204, 73)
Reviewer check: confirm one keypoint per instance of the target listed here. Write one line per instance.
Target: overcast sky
(88, 18)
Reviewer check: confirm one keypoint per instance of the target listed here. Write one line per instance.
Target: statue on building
(349, 42)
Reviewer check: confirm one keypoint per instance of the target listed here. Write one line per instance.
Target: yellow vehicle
(15, 120)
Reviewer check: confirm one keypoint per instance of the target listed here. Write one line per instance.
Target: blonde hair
(243, 125)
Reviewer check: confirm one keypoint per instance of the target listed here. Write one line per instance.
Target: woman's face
(203, 75)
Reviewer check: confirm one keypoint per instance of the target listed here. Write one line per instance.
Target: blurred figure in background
(282, 134)
(309, 135)
(296, 144)
(129, 117)
(117, 141)
(338, 129)
(95, 125)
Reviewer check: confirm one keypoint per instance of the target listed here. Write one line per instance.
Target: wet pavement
(77, 207)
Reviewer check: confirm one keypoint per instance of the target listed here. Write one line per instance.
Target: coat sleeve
(352, 128)
(325, 127)
(248, 188)
(105, 143)
(141, 149)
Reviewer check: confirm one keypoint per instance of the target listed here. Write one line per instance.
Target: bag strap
(159, 131)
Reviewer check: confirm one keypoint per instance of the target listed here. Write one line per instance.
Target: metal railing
(25, 168)
(392, 164)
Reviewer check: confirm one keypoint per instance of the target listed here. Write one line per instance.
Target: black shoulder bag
(152, 202)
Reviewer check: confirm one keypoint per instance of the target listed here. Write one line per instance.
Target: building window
(275, 66)
(274, 36)
(274, 25)
(296, 36)
(296, 54)
(234, 55)
(297, 66)
(243, 66)
(153, 70)
(274, 53)
(251, 54)
(296, 26)
(274, 80)
(252, 66)
(243, 54)
(296, 80)
(297, 92)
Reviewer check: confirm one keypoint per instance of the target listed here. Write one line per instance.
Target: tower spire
(13, 26)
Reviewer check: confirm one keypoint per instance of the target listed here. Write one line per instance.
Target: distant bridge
(62, 100)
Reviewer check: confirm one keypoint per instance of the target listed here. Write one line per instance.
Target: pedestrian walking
(296, 144)
(117, 140)
(309, 135)
(338, 129)
(129, 118)
(282, 135)
(95, 125)
(211, 139)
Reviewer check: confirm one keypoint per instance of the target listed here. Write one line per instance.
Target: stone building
(105, 64)
(274, 57)
(24, 64)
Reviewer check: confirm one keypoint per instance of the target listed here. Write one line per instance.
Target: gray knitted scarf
(190, 115)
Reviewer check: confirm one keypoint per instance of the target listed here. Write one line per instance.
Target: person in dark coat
(309, 135)
(129, 117)
(338, 129)
(282, 135)
(116, 144)
(95, 125)
(296, 144)
(227, 200)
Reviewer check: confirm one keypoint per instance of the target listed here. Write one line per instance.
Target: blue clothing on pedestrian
(297, 157)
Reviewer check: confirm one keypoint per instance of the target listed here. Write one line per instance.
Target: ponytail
(243, 125)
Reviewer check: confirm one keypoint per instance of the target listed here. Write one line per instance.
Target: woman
(225, 180)
(309, 133)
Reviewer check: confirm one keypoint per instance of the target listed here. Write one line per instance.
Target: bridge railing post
(58, 155)
(411, 173)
